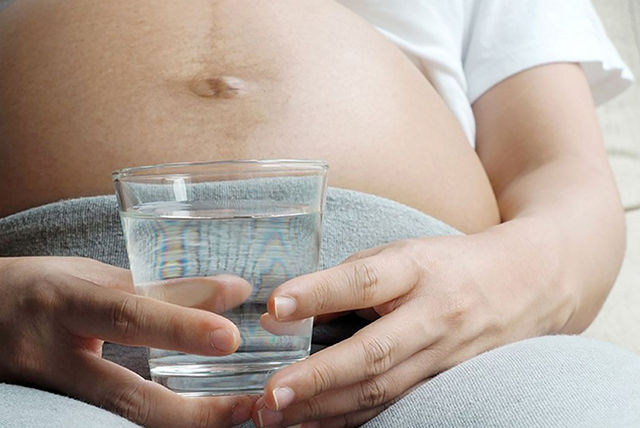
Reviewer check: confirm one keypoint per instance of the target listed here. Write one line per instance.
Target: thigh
(27, 407)
(90, 227)
(568, 381)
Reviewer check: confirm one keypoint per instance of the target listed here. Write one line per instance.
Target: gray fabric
(553, 381)
(27, 407)
(90, 227)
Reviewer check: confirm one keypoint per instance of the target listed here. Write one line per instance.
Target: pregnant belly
(88, 87)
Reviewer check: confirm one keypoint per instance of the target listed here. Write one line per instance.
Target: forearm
(564, 227)
(563, 224)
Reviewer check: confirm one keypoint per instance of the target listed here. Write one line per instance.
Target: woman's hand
(546, 269)
(438, 306)
(56, 312)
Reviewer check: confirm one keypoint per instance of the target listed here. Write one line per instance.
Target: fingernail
(268, 417)
(284, 306)
(239, 414)
(223, 340)
(282, 397)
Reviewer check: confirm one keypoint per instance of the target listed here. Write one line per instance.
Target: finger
(107, 385)
(380, 391)
(213, 293)
(367, 252)
(291, 328)
(263, 418)
(368, 314)
(112, 315)
(370, 352)
(95, 272)
(358, 284)
(348, 420)
(375, 393)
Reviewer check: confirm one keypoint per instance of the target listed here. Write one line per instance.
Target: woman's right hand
(56, 313)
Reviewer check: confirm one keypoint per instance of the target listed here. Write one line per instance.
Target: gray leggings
(546, 381)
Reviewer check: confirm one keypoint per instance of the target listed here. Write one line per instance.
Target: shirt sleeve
(505, 37)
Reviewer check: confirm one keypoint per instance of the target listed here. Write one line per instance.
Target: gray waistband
(90, 227)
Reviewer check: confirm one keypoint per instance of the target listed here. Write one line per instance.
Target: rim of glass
(275, 165)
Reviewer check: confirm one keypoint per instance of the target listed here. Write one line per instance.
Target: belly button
(218, 87)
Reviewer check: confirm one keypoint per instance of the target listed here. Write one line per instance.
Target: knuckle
(125, 316)
(377, 354)
(23, 359)
(132, 403)
(415, 265)
(312, 409)
(363, 279)
(456, 309)
(418, 262)
(41, 298)
(321, 378)
(372, 393)
(322, 295)
(203, 417)
(343, 421)
(413, 246)
(176, 329)
(352, 258)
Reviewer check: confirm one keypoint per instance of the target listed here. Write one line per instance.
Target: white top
(464, 47)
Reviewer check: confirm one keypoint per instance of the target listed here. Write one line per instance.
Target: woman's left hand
(547, 268)
(437, 305)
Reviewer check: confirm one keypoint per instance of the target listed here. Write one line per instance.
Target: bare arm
(539, 140)
(441, 300)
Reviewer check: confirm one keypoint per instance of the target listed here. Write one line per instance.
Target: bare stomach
(88, 87)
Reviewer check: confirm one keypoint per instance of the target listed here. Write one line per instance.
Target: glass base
(207, 379)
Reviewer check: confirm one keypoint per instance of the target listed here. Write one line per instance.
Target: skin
(140, 87)
(443, 300)
(538, 199)
(67, 307)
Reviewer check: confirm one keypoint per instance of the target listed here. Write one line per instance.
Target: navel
(218, 87)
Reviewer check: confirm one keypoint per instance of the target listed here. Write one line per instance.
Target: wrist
(531, 275)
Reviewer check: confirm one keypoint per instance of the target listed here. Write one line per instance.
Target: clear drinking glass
(257, 220)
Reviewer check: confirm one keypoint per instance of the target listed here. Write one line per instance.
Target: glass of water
(252, 225)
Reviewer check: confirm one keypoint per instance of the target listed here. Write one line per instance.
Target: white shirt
(464, 47)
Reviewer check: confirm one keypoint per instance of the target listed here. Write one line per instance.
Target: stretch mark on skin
(218, 87)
